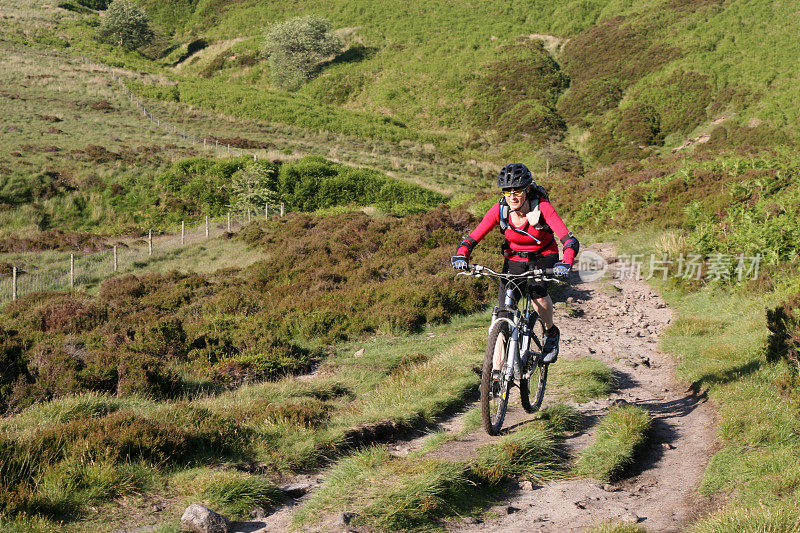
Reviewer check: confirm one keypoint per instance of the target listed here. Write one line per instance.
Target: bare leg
(544, 306)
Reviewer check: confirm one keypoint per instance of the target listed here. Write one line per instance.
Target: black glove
(459, 262)
(561, 269)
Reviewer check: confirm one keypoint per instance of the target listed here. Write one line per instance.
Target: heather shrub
(615, 49)
(590, 99)
(517, 94)
(783, 323)
(159, 335)
(12, 363)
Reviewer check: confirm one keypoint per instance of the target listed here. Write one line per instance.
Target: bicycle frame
(520, 341)
(510, 337)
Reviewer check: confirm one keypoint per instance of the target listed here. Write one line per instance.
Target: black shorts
(536, 289)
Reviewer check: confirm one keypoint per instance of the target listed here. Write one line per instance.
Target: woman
(529, 224)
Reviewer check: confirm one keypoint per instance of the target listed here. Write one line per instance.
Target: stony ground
(616, 320)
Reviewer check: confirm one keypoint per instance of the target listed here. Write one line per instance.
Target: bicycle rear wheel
(495, 388)
(533, 402)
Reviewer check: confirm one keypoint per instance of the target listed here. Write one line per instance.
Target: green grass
(620, 434)
(581, 379)
(233, 494)
(415, 493)
(530, 452)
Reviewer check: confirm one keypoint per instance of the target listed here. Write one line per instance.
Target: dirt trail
(620, 327)
(619, 322)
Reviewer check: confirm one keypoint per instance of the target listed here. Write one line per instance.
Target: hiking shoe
(550, 348)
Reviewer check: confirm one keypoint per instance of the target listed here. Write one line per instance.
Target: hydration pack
(536, 193)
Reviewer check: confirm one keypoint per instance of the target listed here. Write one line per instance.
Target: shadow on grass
(354, 54)
(726, 376)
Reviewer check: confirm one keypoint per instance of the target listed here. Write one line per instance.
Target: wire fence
(89, 270)
(208, 142)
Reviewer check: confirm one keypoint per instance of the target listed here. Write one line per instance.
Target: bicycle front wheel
(495, 388)
(538, 378)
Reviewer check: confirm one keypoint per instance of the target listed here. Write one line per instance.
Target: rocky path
(616, 321)
(619, 322)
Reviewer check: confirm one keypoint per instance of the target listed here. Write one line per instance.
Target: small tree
(295, 48)
(254, 187)
(126, 24)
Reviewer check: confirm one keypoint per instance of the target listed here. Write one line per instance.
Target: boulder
(200, 519)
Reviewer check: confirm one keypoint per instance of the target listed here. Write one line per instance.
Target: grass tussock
(611, 526)
(413, 492)
(582, 379)
(562, 417)
(229, 492)
(781, 519)
(530, 452)
(619, 436)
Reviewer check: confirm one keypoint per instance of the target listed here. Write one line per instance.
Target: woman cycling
(529, 224)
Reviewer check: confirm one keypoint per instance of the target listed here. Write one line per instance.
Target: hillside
(645, 74)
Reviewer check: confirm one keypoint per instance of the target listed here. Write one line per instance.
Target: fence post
(71, 271)
(150, 242)
(229, 221)
(266, 211)
(183, 232)
(248, 214)
(255, 158)
(204, 143)
(206, 226)
(229, 148)
(13, 283)
(281, 209)
(115, 259)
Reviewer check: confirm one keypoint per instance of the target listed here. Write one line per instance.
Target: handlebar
(480, 271)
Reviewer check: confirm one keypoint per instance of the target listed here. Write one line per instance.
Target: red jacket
(523, 243)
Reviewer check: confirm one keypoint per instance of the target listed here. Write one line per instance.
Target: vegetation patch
(582, 379)
(518, 93)
(620, 435)
(402, 493)
(232, 493)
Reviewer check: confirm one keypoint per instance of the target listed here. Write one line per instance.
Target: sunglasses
(516, 193)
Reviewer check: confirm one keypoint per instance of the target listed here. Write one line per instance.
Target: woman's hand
(459, 262)
(561, 269)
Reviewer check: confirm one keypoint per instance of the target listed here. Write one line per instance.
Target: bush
(255, 186)
(296, 47)
(783, 323)
(313, 183)
(126, 25)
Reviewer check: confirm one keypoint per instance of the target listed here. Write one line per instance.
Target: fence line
(89, 269)
(207, 142)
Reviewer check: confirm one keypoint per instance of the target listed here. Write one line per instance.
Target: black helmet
(514, 176)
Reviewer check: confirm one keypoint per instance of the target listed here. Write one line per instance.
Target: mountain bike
(514, 349)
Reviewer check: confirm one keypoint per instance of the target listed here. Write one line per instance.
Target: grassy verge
(60, 456)
(616, 527)
(619, 436)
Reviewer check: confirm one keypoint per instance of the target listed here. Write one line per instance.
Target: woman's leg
(544, 306)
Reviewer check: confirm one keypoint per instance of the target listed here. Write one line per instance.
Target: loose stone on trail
(200, 519)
